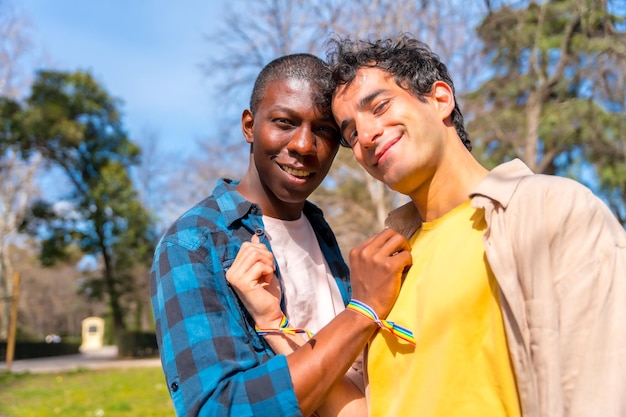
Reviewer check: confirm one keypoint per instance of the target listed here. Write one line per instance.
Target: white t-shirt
(312, 297)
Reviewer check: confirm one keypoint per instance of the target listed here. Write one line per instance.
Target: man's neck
(252, 189)
(451, 185)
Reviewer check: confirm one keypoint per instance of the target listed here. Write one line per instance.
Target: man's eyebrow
(282, 108)
(369, 98)
(362, 104)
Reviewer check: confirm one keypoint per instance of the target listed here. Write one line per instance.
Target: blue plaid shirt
(214, 362)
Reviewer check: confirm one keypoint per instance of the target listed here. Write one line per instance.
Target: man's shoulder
(193, 226)
(211, 214)
(552, 185)
(551, 197)
(514, 180)
(518, 170)
(204, 213)
(224, 201)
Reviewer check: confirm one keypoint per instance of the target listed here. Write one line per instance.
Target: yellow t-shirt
(461, 365)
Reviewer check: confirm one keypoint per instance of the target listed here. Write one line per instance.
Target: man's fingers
(264, 273)
(386, 243)
(393, 242)
(253, 262)
(252, 252)
(376, 269)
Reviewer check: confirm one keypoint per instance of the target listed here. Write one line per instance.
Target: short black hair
(299, 66)
(413, 64)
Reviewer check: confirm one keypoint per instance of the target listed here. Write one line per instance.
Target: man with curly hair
(517, 287)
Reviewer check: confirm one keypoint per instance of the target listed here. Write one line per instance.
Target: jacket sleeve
(590, 252)
(585, 248)
(213, 364)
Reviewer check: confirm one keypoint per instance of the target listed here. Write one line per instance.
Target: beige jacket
(559, 256)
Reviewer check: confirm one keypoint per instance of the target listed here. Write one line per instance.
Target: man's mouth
(300, 173)
(380, 153)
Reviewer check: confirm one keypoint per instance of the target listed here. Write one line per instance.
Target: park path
(103, 358)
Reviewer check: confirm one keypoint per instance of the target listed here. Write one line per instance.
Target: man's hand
(253, 279)
(376, 268)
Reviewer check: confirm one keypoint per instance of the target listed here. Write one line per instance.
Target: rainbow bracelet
(395, 329)
(283, 328)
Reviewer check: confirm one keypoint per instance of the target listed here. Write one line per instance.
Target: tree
(15, 44)
(75, 125)
(17, 186)
(556, 96)
(49, 298)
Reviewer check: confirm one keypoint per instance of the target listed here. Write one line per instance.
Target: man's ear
(247, 125)
(444, 98)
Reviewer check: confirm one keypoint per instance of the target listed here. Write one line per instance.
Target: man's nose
(303, 141)
(368, 130)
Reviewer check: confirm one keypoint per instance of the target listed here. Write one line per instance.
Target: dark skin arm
(318, 366)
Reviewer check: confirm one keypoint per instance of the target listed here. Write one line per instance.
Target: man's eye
(284, 122)
(329, 130)
(381, 107)
(350, 140)
(343, 142)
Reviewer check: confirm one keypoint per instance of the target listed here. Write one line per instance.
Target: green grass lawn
(86, 393)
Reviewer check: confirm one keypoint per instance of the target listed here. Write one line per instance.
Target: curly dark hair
(299, 66)
(413, 64)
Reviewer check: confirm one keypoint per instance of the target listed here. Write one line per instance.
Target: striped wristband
(283, 328)
(395, 329)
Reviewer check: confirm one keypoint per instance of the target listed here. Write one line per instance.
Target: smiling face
(398, 138)
(293, 147)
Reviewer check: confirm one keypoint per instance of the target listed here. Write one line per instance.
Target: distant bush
(29, 350)
(137, 344)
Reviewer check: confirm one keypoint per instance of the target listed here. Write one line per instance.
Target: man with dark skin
(224, 355)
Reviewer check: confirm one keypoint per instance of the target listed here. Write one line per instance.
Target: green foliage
(55, 247)
(73, 122)
(120, 392)
(10, 123)
(75, 125)
(557, 95)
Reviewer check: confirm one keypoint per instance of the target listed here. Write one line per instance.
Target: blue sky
(145, 52)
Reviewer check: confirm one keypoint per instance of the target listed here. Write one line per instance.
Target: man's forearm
(335, 394)
(319, 365)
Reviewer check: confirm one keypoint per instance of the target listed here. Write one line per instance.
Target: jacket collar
(234, 206)
(501, 182)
